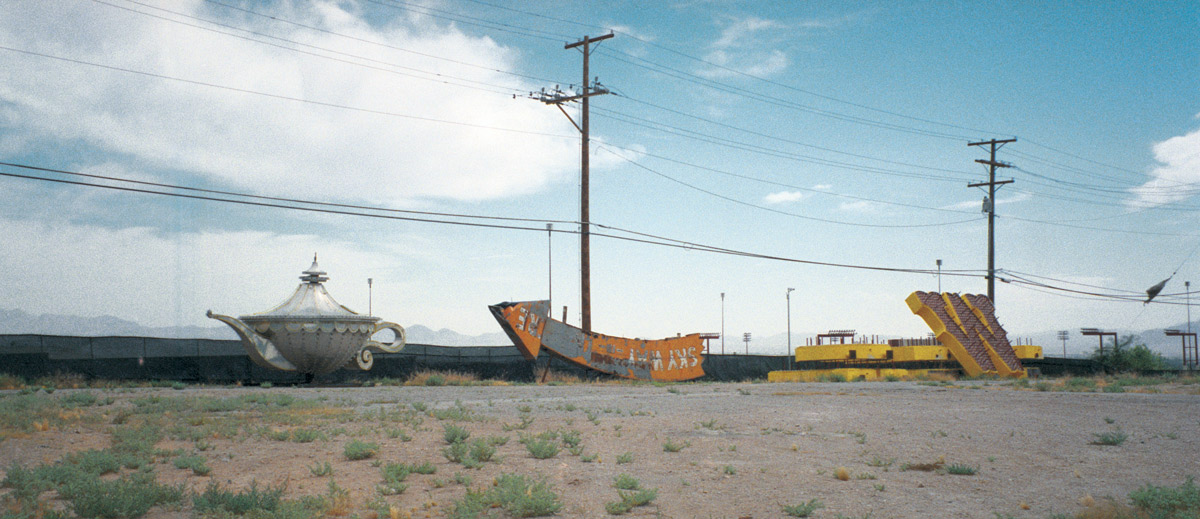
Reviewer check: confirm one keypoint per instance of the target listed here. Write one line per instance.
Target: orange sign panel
(531, 329)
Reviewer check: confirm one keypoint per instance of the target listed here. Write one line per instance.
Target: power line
(437, 76)
(379, 44)
(777, 211)
(637, 237)
(281, 97)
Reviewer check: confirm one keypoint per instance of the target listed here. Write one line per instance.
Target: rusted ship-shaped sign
(531, 329)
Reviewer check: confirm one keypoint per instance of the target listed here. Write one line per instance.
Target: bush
(195, 463)
(518, 495)
(454, 434)
(961, 470)
(1123, 356)
(360, 450)
(803, 509)
(121, 498)
(542, 448)
(1168, 502)
(217, 499)
(1112, 438)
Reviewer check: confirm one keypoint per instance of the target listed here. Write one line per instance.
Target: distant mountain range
(19, 322)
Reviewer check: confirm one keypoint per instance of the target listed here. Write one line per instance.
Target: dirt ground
(748, 448)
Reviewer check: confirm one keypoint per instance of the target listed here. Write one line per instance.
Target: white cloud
(823, 187)
(744, 48)
(784, 197)
(272, 145)
(1176, 177)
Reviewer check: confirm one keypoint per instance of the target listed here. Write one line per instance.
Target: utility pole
(557, 98)
(722, 323)
(990, 206)
(790, 353)
(550, 263)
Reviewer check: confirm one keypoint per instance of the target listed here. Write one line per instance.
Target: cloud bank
(274, 145)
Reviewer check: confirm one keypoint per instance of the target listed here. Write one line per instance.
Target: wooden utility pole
(558, 98)
(990, 206)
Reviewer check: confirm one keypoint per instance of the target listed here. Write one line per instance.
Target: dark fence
(225, 361)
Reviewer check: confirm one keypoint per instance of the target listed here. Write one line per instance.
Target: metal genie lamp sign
(311, 333)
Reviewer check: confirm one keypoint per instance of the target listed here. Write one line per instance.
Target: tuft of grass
(729, 470)
(321, 469)
(803, 509)
(195, 463)
(842, 473)
(671, 446)
(306, 435)
(360, 450)
(1112, 438)
(625, 458)
(960, 469)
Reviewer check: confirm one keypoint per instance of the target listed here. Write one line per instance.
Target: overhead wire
(277, 203)
(283, 97)
(415, 72)
(777, 211)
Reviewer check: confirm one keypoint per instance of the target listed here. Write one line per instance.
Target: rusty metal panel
(531, 329)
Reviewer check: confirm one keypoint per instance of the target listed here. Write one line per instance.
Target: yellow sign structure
(966, 325)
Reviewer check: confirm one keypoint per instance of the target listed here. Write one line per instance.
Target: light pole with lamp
(1187, 286)
(369, 294)
(939, 264)
(789, 327)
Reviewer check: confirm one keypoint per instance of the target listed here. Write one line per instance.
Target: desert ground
(735, 450)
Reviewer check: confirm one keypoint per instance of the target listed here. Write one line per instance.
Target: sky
(811, 139)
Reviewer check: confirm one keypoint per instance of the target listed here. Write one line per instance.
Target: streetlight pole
(1062, 336)
(550, 263)
(789, 327)
(722, 323)
(939, 264)
(1187, 285)
(370, 311)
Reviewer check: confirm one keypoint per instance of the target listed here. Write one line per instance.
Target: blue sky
(814, 131)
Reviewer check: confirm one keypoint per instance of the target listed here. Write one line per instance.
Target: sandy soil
(751, 448)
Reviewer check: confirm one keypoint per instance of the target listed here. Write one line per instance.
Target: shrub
(321, 469)
(625, 458)
(803, 509)
(196, 463)
(454, 434)
(360, 450)
(216, 499)
(306, 435)
(394, 475)
(1112, 438)
(671, 446)
(961, 470)
(131, 496)
(1168, 502)
(518, 495)
(542, 448)
(626, 482)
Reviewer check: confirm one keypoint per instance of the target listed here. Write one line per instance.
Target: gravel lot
(750, 448)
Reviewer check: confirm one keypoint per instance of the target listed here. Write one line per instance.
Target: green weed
(803, 509)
